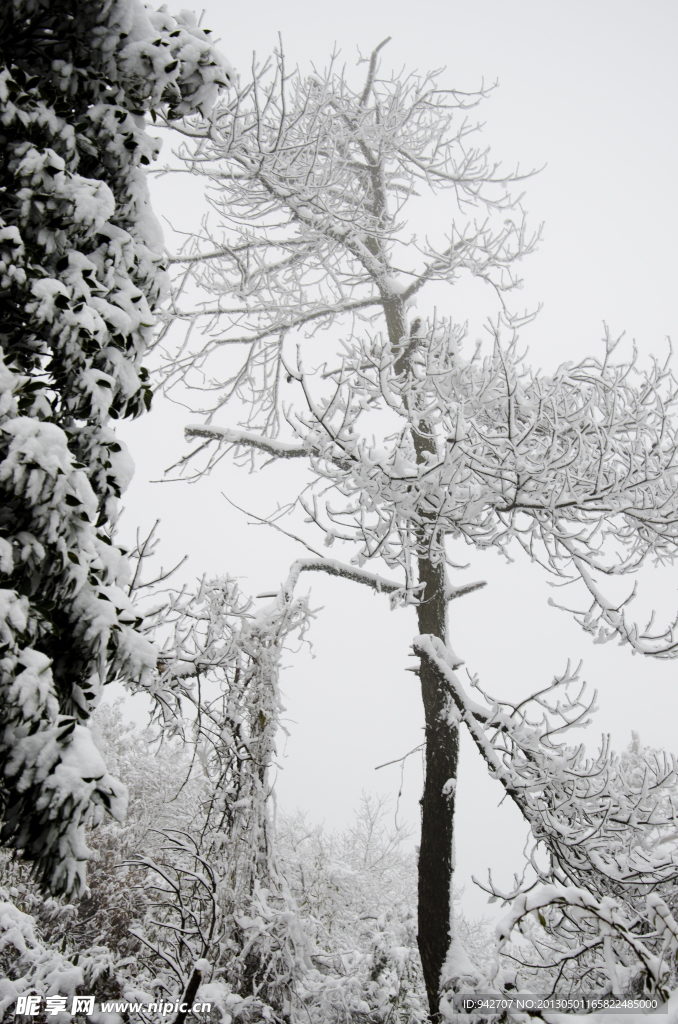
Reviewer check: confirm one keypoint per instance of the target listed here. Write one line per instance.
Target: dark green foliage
(81, 271)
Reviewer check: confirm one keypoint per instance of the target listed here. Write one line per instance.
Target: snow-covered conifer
(81, 272)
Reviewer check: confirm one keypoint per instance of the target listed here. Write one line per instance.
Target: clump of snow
(46, 291)
(93, 201)
(32, 690)
(13, 614)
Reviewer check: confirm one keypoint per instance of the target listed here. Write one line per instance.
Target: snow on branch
(399, 593)
(607, 620)
(472, 714)
(628, 956)
(594, 815)
(243, 439)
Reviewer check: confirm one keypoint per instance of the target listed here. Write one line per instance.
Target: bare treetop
(312, 180)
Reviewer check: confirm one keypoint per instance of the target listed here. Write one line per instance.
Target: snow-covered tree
(410, 440)
(291, 921)
(357, 894)
(81, 273)
(326, 934)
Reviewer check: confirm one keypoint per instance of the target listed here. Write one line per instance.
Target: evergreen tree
(81, 272)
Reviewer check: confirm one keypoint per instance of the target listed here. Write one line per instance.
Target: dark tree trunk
(189, 995)
(442, 753)
(437, 809)
(442, 739)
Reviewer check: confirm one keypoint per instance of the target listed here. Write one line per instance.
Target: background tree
(222, 660)
(81, 271)
(325, 933)
(409, 440)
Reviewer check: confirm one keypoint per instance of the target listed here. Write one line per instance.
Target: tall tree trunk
(442, 738)
(437, 808)
(442, 754)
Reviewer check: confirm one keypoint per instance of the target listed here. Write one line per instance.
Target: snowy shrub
(81, 271)
(329, 936)
(164, 792)
(50, 945)
(356, 894)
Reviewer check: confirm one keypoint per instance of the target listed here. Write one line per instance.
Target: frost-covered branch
(347, 572)
(340, 163)
(607, 620)
(244, 439)
(608, 823)
(608, 953)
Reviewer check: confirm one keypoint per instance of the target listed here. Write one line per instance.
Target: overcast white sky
(589, 89)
